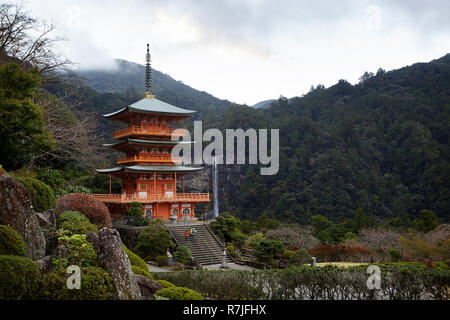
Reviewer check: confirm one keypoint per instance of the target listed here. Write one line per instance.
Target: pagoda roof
(146, 142)
(152, 105)
(140, 168)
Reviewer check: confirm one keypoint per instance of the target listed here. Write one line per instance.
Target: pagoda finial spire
(148, 75)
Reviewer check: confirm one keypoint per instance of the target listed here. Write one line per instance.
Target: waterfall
(215, 187)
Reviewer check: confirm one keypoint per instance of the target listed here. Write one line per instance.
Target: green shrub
(231, 250)
(165, 283)
(299, 258)
(179, 293)
(267, 250)
(96, 284)
(80, 252)
(51, 177)
(142, 272)
(182, 255)
(162, 260)
(135, 210)
(42, 195)
(154, 241)
(75, 189)
(135, 260)
(11, 243)
(395, 255)
(19, 278)
(76, 223)
(287, 254)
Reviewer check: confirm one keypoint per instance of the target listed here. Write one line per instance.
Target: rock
(148, 287)
(113, 258)
(45, 264)
(92, 238)
(16, 211)
(47, 222)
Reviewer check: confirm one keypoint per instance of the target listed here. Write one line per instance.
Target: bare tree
(75, 132)
(27, 41)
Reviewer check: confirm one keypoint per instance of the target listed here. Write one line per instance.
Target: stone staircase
(206, 248)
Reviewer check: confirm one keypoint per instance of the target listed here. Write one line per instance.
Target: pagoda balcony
(179, 197)
(153, 130)
(157, 158)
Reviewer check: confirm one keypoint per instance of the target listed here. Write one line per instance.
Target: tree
(183, 255)
(135, 210)
(26, 40)
(22, 126)
(75, 132)
(154, 240)
(299, 257)
(426, 221)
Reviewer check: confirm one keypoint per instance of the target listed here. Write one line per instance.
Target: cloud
(247, 51)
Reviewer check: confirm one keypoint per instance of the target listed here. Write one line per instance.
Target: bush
(53, 178)
(162, 260)
(299, 258)
(340, 252)
(399, 281)
(95, 210)
(96, 284)
(183, 255)
(19, 278)
(395, 255)
(75, 189)
(154, 241)
(231, 250)
(142, 272)
(135, 210)
(165, 283)
(42, 195)
(11, 243)
(135, 260)
(79, 251)
(267, 250)
(179, 293)
(287, 254)
(76, 223)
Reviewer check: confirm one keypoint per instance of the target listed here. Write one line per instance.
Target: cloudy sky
(252, 50)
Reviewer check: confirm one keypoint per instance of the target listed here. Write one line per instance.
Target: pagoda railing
(179, 197)
(148, 130)
(167, 158)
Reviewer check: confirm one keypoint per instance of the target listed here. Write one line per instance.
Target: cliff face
(229, 186)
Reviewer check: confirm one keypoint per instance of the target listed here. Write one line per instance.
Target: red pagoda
(148, 172)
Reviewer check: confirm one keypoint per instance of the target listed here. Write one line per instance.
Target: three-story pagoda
(148, 172)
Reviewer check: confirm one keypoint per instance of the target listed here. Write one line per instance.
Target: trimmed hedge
(19, 278)
(135, 260)
(42, 195)
(76, 223)
(96, 284)
(11, 243)
(142, 272)
(165, 283)
(95, 210)
(398, 282)
(178, 293)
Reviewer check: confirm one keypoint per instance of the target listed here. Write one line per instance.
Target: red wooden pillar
(154, 182)
(175, 188)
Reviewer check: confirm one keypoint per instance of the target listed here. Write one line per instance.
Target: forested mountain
(381, 145)
(129, 78)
